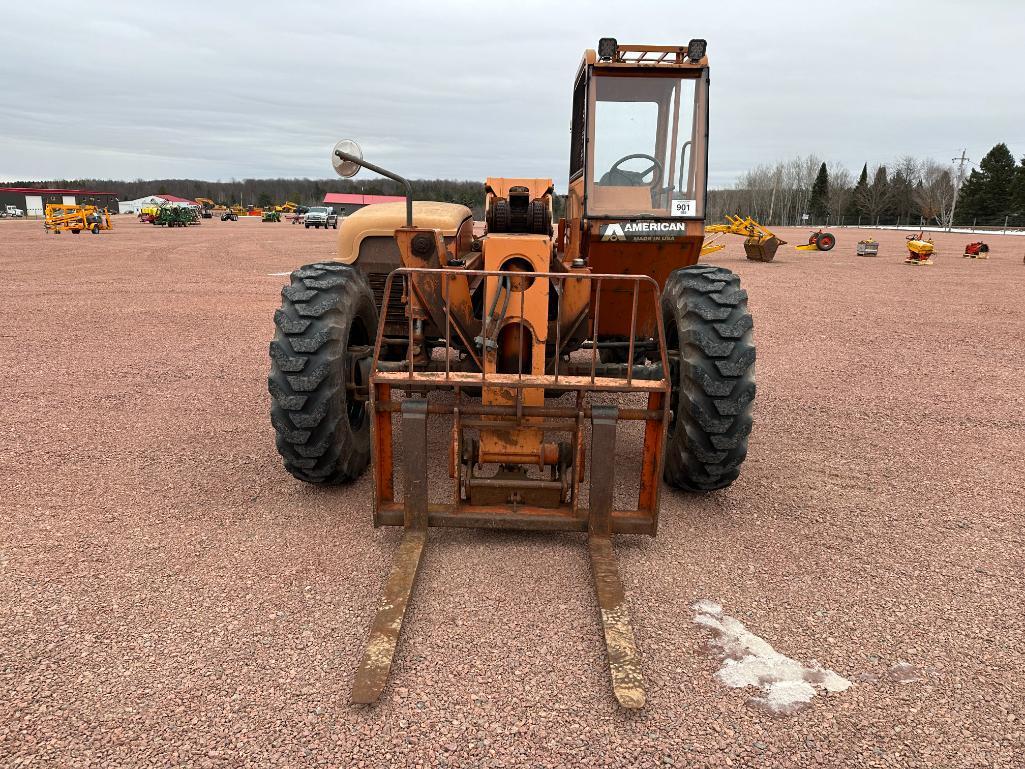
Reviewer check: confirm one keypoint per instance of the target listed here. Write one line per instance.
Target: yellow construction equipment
(713, 245)
(61, 216)
(207, 209)
(760, 244)
(288, 207)
(818, 241)
(920, 249)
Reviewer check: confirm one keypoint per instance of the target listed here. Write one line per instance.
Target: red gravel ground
(169, 596)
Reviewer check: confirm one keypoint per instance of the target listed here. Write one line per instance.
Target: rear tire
(323, 435)
(707, 321)
(826, 241)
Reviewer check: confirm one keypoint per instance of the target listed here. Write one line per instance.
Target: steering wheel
(619, 177)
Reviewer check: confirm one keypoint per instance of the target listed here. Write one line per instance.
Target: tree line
(914, 191)
(803, 190)
(267, 192)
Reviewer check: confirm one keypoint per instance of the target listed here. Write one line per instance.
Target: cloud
(466, 90)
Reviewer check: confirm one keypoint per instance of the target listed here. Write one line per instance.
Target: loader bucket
(762, 251)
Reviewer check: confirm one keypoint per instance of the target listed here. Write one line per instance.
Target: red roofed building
(344, 203)
(176, 199)
(134, 206)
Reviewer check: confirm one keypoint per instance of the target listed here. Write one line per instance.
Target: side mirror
(345, 158)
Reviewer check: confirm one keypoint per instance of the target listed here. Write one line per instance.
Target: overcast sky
(470, 89)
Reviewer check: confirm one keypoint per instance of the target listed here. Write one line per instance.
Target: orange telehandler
(529, 346)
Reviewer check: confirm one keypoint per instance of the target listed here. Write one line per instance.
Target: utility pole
(961, 163)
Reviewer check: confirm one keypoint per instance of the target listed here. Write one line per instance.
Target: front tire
(708, 323)
(323, 434)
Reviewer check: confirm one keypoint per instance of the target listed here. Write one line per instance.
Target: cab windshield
(646, 156)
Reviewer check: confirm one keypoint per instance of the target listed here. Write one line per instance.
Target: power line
(961, 163)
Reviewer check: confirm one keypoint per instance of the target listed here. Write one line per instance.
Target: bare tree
(841, 183)
(935, 194)
(907, 172)
(778, 194)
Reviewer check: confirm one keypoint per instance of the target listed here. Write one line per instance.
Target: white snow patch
(785, 697)
(704, 606)
(277, 274)
(903, 673)
(787, 685)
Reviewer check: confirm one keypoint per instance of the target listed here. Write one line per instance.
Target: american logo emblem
(643, 231)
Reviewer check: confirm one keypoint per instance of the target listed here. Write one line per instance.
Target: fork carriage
(513, 360)
(509, 425)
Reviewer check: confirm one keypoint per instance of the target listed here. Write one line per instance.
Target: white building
(134, 206)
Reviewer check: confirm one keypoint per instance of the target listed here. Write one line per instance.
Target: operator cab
(639, 132)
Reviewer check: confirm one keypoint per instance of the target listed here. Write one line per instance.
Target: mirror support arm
(383, 172)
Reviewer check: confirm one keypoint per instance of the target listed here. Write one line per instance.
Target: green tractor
(175, 216)
(271, 216)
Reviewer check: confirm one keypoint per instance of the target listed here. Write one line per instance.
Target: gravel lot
(169, 596)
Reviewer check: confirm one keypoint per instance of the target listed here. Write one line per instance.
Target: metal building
(34, 200)
(134, 206)
(344, 203)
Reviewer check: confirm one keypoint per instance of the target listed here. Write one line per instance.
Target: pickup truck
(321, 216)
(12, 211)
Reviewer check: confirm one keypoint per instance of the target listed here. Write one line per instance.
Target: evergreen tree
(818, 203)
(986, 195)
(1018, 194)
(901, 197)
(968, 198)
(874, 201)
(854, 209)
